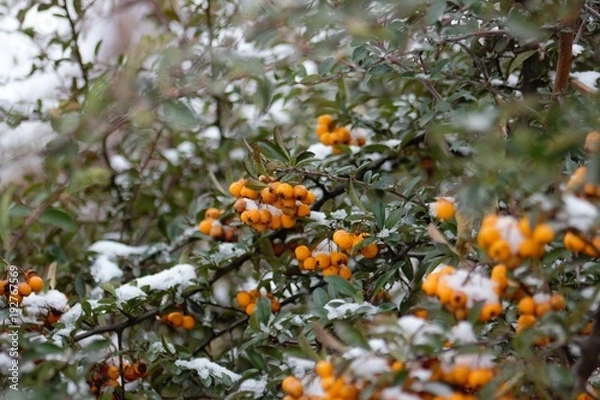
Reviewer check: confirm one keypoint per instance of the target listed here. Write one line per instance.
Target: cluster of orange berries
(331, 135)
(247, 301)
(348, 241)
(334, 387)
(33, 284)
(509, 240)
(468, 378)
(216, 229)
(577, 243)
(442, 208)
(446, 285)
(329, 263)
(533, 307)
(177, 319)
(104, 375)
(276, 205)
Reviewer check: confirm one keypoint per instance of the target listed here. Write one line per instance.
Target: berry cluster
(328, 262)
(509, 240)
(533, 307)
(33, 284)
(459, 291)
(331, 135)
(177, 319)
(442, 208)
(580, 244)
(211, 225)
(247, 301)
(104, 375)
(468, 375)
(348, 242)
(276, 205)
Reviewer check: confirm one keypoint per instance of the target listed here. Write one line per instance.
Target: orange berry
(265, 216)
(444, 293)
(542, 308)
(309, 199)
(250, 308)
(239, 206)
(292, 386)
(324, 368)
(205, 225)
(300, 192)
(369, 251)
(527, 305)
(331, 270)
(479, 378)
(325, 119)
(275, 222)
(287, 222)
(487, 236)
(275, 305)
(236, 188)
(430, 286)
(460, 314)
(212, 213)
(175, 319)
(188, 322)
(24, 289)
(303, 210)
(129, 373)
(322, 260)
(500, 250)
(249, 193)
(526, 321)
(343, 239)
(113, 372)
(557, 302)
(444, 209)
(285, 191)
(543, 233)
(345, 273)
(574, 242)
(243, 299)
(321, 129)
(302, 253)
(490, 311)
(141, 369)
(525, 227)
(268, 195)
(397, 366)
(309, 263)
(4, 289)
(460, 375)
(255, 294)
(253, 216)
(338, 259)
(216, 231)
(529, 248)
(458, 300)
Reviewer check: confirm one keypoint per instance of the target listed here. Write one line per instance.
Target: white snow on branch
(206, 368)
(180, 275)
(337, 309)
(579, 213)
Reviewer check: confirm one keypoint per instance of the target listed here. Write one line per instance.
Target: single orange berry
(443, 209)
(292, 386)
(309, 263)
(285, 191)
(236, 188)
(369, 251)
(490, 311)
(129, 373)
(205, 226)
(302, 253)
(188, 322)
(175, 319)
(527, 305)
(303, 210)
(322, 260)
(543, 233)
(557, 302)
(24, 289)
(113, 372)
(212, 213)
(324, 368)
(287, 222)
(243, 298)
(345, 273)
(250, 308)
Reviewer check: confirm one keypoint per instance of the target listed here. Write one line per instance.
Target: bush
(300, 200)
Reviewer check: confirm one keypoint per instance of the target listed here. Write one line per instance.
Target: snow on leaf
(206, 368)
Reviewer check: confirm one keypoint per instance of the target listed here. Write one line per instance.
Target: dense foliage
(319, 199)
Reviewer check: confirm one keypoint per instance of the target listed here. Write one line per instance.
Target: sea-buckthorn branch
(565, 50)
(590, 351)
(75, 38)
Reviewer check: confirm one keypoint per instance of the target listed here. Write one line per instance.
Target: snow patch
(206, 368)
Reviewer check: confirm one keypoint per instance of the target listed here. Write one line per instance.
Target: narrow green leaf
(58, 218)
(354, 196)
(341, 285)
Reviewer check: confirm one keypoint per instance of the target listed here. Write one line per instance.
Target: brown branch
(590, 350)
(565, 52)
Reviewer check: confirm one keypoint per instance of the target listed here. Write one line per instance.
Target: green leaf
(263, 310)
(178, 116)
(354, 196)
(58, 218)
(519, 60)
(306, 347)
(341, 285)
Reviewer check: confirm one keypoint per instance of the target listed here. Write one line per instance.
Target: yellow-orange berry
(188, 322)
(292, 386)
(529, 248)
(275, 222)
(250, 308)
(303, 210)
(285, 191)
(302, 253)
(112, 372)
(429, 286)
(24, 289)
(275, 305)
(369, 251)
(487, 236)
(479, 378)
(325, 119)
(268, 195)
(216, 231)
(300, 192)
(129, 373)
(557, 302)
(175, 319)
(322, 260)
(236, 188)
(500, 250)
(345, 273)
(309, 199)
(287, 222)
(212, 213)
(526, 321)
(444, 209)
(36, 283)
(331, 270)
(324, 368)
(309, 263)
(490, 311)
(458, 300)
(527, 305)
(343, 239)
(542, 308)
(265, 216)
(249, 193)
(338, 258)
(205, 225)
(543, 233)
(243, 299)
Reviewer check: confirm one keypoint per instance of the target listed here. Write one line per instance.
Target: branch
(565, 53)
(118, 327)
(590, 350)
(75, 36)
